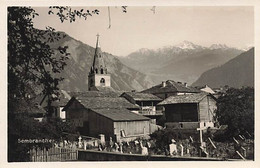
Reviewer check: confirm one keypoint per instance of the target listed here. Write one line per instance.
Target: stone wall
(87, 155)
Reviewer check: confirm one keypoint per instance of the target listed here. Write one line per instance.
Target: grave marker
(181, 149)
(240, 155)
(212, 143)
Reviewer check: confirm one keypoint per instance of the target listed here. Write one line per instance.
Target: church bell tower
(98, 76)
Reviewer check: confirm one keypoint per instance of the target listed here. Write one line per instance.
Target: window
(181, 125)
(102, 71)
(96, 70)
(102, 82)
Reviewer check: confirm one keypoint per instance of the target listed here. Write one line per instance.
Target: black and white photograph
(128, 83)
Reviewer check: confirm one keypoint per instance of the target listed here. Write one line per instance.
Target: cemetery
(162, 145)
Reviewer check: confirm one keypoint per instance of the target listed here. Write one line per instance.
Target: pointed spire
(98, 63)
(97, 44)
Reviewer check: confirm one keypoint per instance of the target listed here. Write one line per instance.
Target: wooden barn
(147, 103)
(106, 113)
(119, 123)
(171, 88)
(189, 111)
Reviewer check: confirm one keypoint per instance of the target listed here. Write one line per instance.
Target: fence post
(60, 154)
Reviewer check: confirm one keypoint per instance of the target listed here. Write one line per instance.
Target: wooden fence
(53, 154)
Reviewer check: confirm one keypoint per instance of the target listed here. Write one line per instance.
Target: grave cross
(201, 129)
(202, 144)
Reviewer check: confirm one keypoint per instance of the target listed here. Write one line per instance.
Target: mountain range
(237, 72)
(184, 62)
(81, 57)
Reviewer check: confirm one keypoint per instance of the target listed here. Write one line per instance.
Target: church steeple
(98, 75)
(98, 66)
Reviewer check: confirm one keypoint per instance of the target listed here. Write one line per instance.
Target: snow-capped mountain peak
(188, 45)
(246, 48)
(218, 46)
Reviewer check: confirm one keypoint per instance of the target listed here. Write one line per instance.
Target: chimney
(163, 83)
(185, 84)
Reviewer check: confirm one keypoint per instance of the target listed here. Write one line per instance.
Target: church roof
(120, 115)
(98, 61)
(188, 98)
(137, 96)
(171, 86)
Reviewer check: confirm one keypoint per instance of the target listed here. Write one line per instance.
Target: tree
(236, 109)
(31, 61)
(33, 66)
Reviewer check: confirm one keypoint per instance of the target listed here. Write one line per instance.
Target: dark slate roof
(120, 115)
(95, 94)
(137, 96)
(104, 89)
(171, 86)
(100, 100)
(188, 98)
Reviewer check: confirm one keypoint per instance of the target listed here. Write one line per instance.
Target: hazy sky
(141, 28)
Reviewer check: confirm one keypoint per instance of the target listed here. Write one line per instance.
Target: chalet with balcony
(171, 88)
(189, 111)
(147, 103)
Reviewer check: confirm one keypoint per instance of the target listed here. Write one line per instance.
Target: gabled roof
(104, 89)
(102, 100)
(137, 96)
(171, 86)
(92, 94)
(120, 115)
(188, 98)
